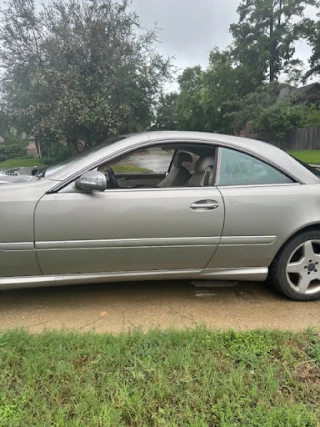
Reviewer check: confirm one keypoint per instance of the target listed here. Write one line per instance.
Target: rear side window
(236, 168)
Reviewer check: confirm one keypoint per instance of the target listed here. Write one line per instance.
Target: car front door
(135, 229)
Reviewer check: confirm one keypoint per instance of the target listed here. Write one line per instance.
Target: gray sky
(191, 28)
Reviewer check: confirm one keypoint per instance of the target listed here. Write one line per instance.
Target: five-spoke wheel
(296, 270)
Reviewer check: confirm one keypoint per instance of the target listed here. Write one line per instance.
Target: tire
(296, 265)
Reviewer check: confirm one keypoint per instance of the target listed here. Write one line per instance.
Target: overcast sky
(191, 28)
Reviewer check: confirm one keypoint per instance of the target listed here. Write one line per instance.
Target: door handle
(207, 205)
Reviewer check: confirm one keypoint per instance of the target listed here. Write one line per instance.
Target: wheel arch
(311, 227)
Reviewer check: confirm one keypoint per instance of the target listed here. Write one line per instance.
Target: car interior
(187, 166)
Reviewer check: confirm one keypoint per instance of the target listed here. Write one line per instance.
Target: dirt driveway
(124, 306)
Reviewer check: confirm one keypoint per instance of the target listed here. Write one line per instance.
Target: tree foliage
(281, 117)
(190, 113)
(14, 145)
(246, 109)
(314, 42)
(285, 116)
(312, 117)
(241, 82)
(265, 35)
(79, 69)
(225, 82)
(166, 112)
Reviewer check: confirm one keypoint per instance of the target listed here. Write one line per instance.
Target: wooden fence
(299, 139)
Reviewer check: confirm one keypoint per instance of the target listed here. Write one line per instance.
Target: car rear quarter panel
(259, 220)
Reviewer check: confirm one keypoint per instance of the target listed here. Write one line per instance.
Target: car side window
(165, 166)
(236, 168)
(148, 161)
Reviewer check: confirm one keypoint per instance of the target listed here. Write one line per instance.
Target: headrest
(203, 164)
(180, 158)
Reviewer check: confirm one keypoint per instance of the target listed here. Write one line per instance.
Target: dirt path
(121, 307)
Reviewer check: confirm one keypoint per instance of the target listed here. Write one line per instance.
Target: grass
(21, 162)
(307, 156)
(121, 168)
(191, 378)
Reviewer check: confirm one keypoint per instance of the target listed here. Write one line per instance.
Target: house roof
(305, 89)
(288, 90)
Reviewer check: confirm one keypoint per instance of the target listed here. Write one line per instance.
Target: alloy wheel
(303, 268)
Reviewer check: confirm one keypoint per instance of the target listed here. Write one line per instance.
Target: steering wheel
(112, 178)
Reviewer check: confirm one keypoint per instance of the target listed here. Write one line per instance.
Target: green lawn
(192, 378)
(308, 156)
(121, 168)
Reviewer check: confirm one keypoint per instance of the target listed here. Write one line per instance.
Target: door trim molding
(247, 240)
(148, 242)
(128, 243)
(17, 246)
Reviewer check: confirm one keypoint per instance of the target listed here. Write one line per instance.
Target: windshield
(51, 170)
(315, 171)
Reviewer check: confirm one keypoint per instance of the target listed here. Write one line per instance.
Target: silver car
(166, 205)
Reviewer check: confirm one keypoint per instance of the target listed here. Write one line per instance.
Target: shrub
(313, 116)
(281, 117)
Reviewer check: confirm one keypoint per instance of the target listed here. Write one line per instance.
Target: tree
(243, 111)
(166, 113)
(265, 35)
(189, 110)
(226, 82)
(207, 97)
(78, 69)
(314, 41)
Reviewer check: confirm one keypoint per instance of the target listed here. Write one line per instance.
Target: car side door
(128, 229)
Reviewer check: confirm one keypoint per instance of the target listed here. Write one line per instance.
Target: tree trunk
(38, 147)
(273, 51)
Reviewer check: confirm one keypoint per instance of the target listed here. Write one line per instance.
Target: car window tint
(237, 168)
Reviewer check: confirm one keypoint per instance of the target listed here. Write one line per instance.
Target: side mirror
(92, 181)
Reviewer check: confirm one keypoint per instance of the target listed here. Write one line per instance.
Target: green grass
(307, 156)
(192, 378)
(121, 168)
(22, 162)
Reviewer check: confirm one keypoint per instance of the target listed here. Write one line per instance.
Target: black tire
(277, 273)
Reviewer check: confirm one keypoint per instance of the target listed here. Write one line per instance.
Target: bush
(14, 146)
(281, 117)
(313, 116)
